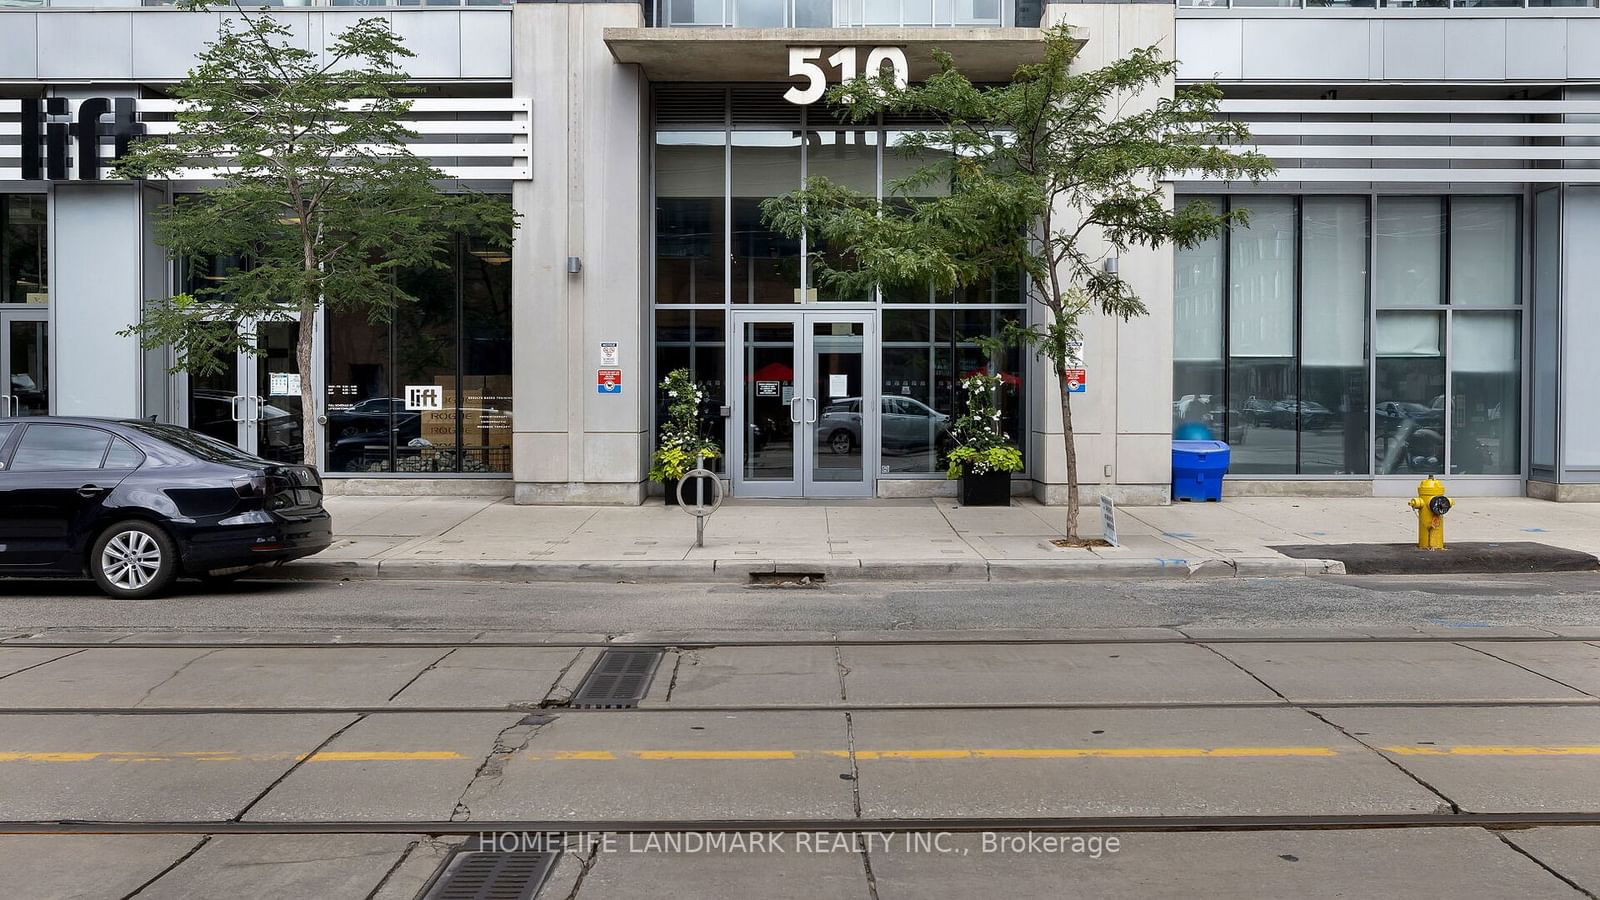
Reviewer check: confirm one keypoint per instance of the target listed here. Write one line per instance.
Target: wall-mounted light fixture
(574, 265)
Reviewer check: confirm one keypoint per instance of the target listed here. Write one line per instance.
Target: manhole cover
(618, 679)
(491, 875)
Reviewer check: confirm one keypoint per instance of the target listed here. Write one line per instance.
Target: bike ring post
(700, 511)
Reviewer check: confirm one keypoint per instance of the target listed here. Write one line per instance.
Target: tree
(1047, 175)
(317, 196)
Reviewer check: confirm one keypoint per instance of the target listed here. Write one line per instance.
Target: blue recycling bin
(1197, 469)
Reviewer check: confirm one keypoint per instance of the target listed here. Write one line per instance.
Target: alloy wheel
(131, 560)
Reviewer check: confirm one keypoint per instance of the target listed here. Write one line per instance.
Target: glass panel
(848, 159)
(1410, 248)
(813, 13)
(425, 355)
(1197, 340)
(838, 351)
(24, 256)
(28, 349)
(1409, 383)
(216, 406)
(1485, 250)
(760, 13)
(486, 408)
(1486, 387)
(1261, 336)
(695, 12)
(358, 397)
(278, 422)
(1546, 323)
(45, 448)
(691, 240)
(914, 428)
(899, 163)
(1333, 336)
(977, 12)
(123, 455)
(769, 358)
(5, 432)
(766, 265)
(694, 339)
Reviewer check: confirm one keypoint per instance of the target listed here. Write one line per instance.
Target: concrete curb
(739, 571)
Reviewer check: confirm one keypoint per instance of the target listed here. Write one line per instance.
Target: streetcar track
(1148, 824)
(1065, 705)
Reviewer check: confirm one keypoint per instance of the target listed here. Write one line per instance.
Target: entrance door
(24, 358)
(253, 402)
(805, 420)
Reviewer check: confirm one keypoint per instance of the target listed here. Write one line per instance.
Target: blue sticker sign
(609, 381)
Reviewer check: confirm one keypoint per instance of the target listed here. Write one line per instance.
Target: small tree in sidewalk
(316, 193)
(1048, 174)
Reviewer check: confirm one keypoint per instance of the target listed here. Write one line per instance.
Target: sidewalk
(935, 539)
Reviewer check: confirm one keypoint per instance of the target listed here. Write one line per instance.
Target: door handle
(811, 404)
(235, 408)
(258, 407)
(89, 490)
(794, 410)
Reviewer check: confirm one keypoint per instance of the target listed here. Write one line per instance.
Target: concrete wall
(1123, 421)
(1389, 45)
(586, 199)
(158, 44)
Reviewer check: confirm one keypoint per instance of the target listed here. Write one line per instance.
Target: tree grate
(492, 875)
(618, 679)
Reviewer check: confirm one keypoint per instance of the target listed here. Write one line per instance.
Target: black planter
(688, 490)
(989, 489)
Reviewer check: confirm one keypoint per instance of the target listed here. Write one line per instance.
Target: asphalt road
(1468, 602)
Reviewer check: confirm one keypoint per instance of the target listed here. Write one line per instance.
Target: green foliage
(982, 445)
(1049, 174)
(681, 443)
(315, 189)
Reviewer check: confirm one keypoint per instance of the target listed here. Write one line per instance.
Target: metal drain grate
(489, 875)
(618, 679)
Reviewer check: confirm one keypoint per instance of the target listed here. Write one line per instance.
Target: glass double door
(805, 413)
(25, 359)
(253, 401)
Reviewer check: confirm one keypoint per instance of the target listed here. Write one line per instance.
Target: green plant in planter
(681, 444)
(981, 446)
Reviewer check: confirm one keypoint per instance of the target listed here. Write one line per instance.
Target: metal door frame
(804, 407)
(22, 313)
(246, 404)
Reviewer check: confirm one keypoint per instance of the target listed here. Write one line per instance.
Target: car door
(51, 493)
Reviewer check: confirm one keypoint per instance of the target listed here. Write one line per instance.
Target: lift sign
(610, 381)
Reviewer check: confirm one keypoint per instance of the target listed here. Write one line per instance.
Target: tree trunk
(1072, 453)
(303, 361)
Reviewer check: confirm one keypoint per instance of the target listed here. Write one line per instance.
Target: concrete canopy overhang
(762, 54)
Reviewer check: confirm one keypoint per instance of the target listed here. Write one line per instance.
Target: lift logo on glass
(424, 397)
(49, 126)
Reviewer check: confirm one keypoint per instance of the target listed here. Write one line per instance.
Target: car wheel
(134, 559)
(841, 442)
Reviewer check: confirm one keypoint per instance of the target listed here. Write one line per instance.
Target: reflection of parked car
(1310, 414)
(212, 412)
(1206, 409)
(907, 425)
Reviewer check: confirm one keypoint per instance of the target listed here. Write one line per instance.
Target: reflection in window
(1262, 376)
(1409, 382)
(1198, 409)
(766, 264)
(1486, 384)
(24, 249)
(694, 339)
(1409, 270)
(430, 391)
(1333, 336)
(849, 159)
(690, 217)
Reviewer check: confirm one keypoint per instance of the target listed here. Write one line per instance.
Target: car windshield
(196, 444)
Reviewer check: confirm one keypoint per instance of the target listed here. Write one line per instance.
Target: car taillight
(251, 486)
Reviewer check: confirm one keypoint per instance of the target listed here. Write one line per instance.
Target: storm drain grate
(618, 679)
(492, 875)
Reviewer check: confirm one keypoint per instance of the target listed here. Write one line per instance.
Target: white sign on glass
(284, 384)
(424, 397)
(803, 64)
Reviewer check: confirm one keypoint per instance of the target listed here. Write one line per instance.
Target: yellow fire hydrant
(1431, 504)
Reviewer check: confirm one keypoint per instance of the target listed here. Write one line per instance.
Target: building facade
(1419, 246)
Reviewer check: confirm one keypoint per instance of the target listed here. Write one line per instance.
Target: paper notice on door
(838, 385)
(284, 384)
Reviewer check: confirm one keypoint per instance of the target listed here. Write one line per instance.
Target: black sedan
(138, 504)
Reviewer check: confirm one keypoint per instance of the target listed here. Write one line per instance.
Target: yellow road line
(925, 754)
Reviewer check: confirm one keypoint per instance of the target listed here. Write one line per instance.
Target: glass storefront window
(1333, 336)
(765, 264)
(24, 249)
(1486, 391)
(1485, 251)
(690, 217)
(1198, 293)
(1409, 270)
(455, 339)
(693, 339)
(1262, 376)
(850, 159)
(1409, 379)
